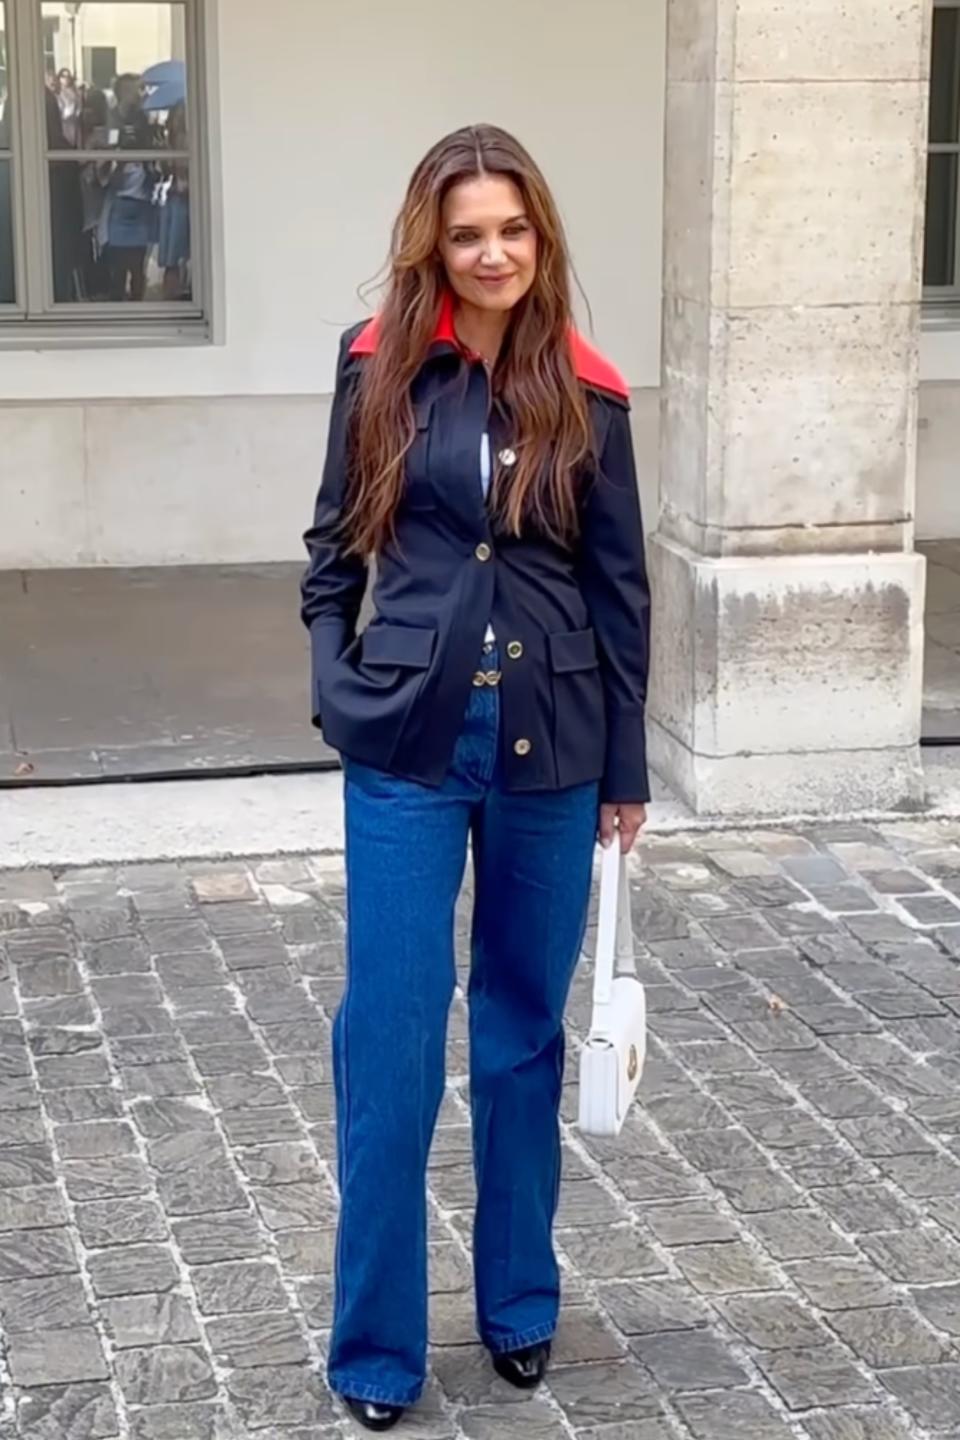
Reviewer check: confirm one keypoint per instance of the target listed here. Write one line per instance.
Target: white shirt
(486, 475)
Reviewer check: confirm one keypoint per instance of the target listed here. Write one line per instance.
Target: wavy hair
(534, 377)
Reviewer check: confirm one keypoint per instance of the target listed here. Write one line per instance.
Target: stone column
(788, 599)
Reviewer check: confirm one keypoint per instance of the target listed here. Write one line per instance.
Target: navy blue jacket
(572, 624)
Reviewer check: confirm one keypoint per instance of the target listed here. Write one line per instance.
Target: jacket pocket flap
(576, 650)
(400, 645)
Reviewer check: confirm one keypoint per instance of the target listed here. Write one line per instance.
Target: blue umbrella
(167, 72)
(164, 97)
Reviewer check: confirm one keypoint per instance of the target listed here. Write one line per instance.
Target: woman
(480, 451)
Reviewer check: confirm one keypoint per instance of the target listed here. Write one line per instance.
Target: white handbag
(611, 1061)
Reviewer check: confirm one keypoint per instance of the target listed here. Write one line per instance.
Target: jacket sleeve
(614, 584)
(333, 585)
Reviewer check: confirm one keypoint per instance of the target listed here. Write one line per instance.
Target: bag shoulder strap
(615, 944)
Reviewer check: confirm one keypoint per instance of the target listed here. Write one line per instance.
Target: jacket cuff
(626, 780)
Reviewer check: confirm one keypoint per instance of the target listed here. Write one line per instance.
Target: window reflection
(7, 289)
(115, 80)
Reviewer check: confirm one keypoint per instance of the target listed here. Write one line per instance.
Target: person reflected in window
(173, 254)
(7, 283)
(66, 207)
(69, 100)
(128, 224)
(94, 135)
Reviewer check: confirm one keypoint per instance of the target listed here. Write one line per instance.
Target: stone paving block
(611, 1252)
(270, 1337)
(689, 1360)
(840, 1283)
(914, 1257)
(929, 1393)
(171, 1116)
(34, 1207)
(888, 1336)
(162, 1374)
(132, 1270)
(842, 1100)
(719, 1149)
(282, 1164)
(876, 1135)
(724, 1269)
(651, 1307)
(684, 1111)
(923, 1176)
(92, 1139)
(100, 1178)
(815, 1166)
(582, 1336)
(90, 1102)
(132, 1051)
(493, 1422)
(773, 1322)
(737, 1415)
(201, 1190)
(582, 1203)
(55, 1357)
(604, 1393)
(120, 1222)
(32, 1254)
(287, 1207)
(83, 1411)
(233, 1287)
(281, 1395)
(170, 1154)
(127, 955)
(689, 1222)
(804, 1378)
(261, 1126)
(209, 1238)
(162, 1079)
(26, 1165)
(311, 1252)
(751, 1191)
(140, 1320)
(876, 1423)
(782, 1129)
(797, 1235)
(43, 1304)
(178, 1422)
(941, 1306)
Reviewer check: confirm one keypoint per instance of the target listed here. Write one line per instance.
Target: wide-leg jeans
(406, 853)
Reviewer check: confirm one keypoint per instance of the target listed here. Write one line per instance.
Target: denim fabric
(406, 853)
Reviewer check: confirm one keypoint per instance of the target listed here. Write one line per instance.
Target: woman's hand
(624, 820)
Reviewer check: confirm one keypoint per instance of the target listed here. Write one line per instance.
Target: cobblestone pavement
(771, 1249)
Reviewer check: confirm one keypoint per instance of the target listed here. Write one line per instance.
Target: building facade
(745, 187)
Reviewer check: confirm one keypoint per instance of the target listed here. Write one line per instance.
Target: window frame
(36, 317)
(945, 297)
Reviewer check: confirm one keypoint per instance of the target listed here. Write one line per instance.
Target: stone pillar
(788, 622)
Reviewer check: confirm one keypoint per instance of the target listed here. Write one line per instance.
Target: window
(942, 246)
(101, 168)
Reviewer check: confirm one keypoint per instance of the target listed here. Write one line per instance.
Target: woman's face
(487, 243)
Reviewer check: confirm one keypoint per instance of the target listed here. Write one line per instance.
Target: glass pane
(4, 102)
(7, 294)
(115, 75)
(940, 254)
(945, 77)
(121, 232)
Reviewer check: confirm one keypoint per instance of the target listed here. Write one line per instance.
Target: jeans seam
(342, 1385)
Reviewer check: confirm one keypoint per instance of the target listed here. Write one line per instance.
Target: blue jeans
(406, 853)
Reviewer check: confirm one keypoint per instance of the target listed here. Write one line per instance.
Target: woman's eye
(513, 230)
(465, 237)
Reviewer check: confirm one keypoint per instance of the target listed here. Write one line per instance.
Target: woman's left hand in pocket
(624, 820)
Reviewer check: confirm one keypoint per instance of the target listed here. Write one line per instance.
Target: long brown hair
(534, 378)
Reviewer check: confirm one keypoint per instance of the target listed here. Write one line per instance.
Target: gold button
(483, 551)
(522, 747)
(515, 650)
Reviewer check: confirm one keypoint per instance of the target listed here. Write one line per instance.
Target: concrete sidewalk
(772, 1249)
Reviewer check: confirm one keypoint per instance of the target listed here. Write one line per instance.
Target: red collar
(591, 367)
